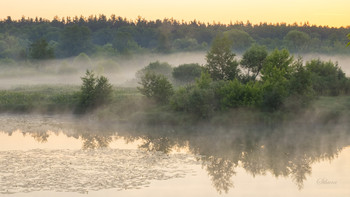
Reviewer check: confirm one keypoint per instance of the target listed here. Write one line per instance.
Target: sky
(334, 13)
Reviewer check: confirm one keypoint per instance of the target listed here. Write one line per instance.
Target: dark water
(66, 156)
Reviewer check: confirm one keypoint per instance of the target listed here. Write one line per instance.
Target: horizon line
(171, 19)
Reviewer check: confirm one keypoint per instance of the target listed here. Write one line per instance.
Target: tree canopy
(41, 50)
(71, 36)
(253, 60)
(221, 62)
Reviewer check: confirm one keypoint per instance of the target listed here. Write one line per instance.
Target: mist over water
(120, 71)
(343, 60)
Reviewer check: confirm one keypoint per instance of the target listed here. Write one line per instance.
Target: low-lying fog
(120, 71)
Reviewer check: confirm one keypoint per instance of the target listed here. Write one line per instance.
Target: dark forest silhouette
(70, 36)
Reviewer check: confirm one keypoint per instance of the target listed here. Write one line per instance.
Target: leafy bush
(187, 73)
(235, 94)
(198, 99)
(327, 78)
(95, 91)
(195, 100)
(156, 86)
(157, 67)
(274, 95)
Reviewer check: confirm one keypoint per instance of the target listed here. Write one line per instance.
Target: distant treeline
(65, 37)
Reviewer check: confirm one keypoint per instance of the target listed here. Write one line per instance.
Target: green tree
(94, 92)
(253, 60)
(297, 41)
(349, 39)
(124, 42)
(156, 86)
(276, 73)
(299, 87)
(240, 40)
(11, 46)
(300, 81)
(276, 65)
(221, 63)
(75, 39)
(204, 80)
(103, 90)
(40, 50)
(164, 44)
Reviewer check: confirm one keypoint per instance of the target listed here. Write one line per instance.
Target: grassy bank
(41, 99)
(127, 104)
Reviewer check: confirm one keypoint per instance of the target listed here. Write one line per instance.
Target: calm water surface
(66, 156)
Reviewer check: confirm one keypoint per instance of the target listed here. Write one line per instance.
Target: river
(42, 155)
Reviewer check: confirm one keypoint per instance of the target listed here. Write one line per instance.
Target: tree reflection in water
(40, 136)
(220, 170)
(283, 151)
(93, 141)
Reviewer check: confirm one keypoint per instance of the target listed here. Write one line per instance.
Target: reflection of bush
(91, 141)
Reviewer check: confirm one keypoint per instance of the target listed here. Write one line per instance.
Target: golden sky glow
(320, 12)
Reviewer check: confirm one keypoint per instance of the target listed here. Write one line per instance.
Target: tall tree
(276, 73)
(297, 41)
(253, 60)
(221, 63)
(75, 39)
(241, 40)
(156, 86)
(41, 50)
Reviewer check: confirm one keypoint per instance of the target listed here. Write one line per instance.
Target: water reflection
(283, 151)
(93, 141)
(40, 136)
(83, 171)
(221, 171)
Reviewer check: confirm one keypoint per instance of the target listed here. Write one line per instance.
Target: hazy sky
(319, 12)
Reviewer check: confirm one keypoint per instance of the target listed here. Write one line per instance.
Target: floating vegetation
(87, 170)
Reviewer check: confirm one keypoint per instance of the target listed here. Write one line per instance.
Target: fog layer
(119, 70)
